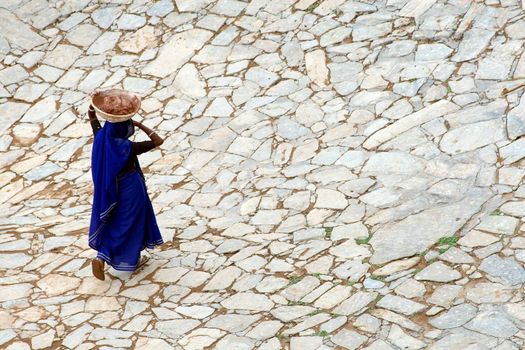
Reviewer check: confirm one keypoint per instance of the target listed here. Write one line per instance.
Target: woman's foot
(97, 267)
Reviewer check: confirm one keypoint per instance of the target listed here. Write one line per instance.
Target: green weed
(322, 333)
(312, 7)
(363, 240)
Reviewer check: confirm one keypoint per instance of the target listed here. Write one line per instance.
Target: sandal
(97, 266)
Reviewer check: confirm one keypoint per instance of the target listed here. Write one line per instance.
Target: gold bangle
(151, 133)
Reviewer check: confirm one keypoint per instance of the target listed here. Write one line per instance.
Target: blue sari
(122, 219)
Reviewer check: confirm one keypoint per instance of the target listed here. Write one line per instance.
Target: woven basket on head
(98, 99)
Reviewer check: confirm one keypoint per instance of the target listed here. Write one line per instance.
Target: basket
(98, 98)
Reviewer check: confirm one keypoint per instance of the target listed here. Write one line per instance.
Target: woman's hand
(136, 123)
(91, 112)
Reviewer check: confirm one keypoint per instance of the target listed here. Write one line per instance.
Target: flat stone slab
(420, 117)
(17, 32)
(401, 305)
(455, 317)
(438, 272)
(472, 136)
(405, 238)
(177, 51)
(506, 269)
(248, 301)
(493, 323)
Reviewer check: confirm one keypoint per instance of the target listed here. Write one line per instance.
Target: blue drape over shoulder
(111, 150)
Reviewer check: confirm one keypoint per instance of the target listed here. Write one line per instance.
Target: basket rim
(115, 118)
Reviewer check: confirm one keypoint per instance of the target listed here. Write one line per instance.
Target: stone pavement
(336, 174)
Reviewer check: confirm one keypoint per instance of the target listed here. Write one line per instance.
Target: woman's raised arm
(157, 140)
(95, 124)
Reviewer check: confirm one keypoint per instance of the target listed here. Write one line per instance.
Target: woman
(122, 220)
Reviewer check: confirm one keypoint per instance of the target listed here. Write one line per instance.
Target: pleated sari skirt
(132, 226)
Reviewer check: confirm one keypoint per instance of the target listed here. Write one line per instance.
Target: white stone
(26, 133)
(330, 199)
(149, 343)
(177, 51)
(400, 305)
(333, 297)
(415, 8)
(476, 238)
(420, 117)
(169, 275)
(42, 171)
(393, 162)
(176, 328)
(136, 42)
(41, 111)
(14, 291)
(499, 224)
(261, 77)
(411, 289)
(472, 136)
(130, 22)
(349, 339)
(305, 343)
(83, 35)
(405, 238)
(438, 272)
(63, 56)
(189, 82)
(18, 33)
(13, 260)
(191, 5)
(18, 346)
(105, 42)
(219, 108)
(77, 337)
(65, 152)
(12, 75)
(396, 266)
(44, 340)
(349, 249)
(143, 292)
(474, 42)
(55, 284)
(265, 330)
(48, 73)
(397, 337)
(31, 92)
(105, 16)
(139, 85)
(316, 67)
(195, 311)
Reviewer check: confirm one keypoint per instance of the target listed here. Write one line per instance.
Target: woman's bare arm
(157, 140)
(93, 120)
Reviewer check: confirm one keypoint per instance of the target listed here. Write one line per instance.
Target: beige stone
(55, 284)
(316, 67)
(396, 266)
(26, 134)
(137, 41)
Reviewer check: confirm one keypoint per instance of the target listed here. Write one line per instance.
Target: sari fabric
(122, 219)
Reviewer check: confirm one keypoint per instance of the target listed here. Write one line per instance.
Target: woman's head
(121, 130)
